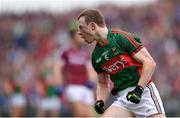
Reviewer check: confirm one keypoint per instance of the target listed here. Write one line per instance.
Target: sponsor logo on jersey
(98, 60)
(114, 65)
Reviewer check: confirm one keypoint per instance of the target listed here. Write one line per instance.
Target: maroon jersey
(75, 71)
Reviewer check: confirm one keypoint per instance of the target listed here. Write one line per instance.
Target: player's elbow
(152, 63)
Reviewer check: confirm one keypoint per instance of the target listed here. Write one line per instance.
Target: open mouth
(82, 37)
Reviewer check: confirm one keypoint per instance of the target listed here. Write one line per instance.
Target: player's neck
(75, 45)
(101, 35)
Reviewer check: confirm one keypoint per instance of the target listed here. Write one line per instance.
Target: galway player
(75, 71)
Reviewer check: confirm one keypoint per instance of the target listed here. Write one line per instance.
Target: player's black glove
(99, 107)
(135, 95)
(114, 91)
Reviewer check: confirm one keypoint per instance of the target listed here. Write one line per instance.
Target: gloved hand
(114, 91)
(99, 107)
(135, 95)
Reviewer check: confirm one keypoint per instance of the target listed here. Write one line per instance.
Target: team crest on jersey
(115, 50)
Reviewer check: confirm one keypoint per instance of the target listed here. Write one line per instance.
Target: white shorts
(18, 100)
(79, 93)
(150, 102)
(49, 103)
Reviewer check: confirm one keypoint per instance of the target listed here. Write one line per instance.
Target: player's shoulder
(119, 35)
(122, 33)
(118, 31)
(64, 51)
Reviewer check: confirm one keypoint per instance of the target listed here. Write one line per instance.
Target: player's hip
(150, 101)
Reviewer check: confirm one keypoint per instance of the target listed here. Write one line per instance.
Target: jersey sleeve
(63, 57)
(96, 67)
(129, 43)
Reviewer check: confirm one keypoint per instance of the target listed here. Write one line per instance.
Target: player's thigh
(82, 109)
(78, 109)
(157, 116)
(77, 106)
(89, 110)
(114, 111)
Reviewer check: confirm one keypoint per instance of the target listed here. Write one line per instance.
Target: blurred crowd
(29, 43)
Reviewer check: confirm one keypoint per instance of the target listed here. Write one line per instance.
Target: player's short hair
(73, 27)
(92, 15)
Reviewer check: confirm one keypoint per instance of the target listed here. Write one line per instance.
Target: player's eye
(80, 27)
(80, 33)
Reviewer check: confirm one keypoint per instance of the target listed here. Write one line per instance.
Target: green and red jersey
(116, 58)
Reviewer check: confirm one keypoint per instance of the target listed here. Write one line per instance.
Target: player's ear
(93, 25)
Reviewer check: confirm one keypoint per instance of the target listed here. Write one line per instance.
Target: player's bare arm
(102, 90)
(57, 70)
(91, 73)
(148, 66)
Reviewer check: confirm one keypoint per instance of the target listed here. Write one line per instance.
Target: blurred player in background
(17, 99)
(49, 90)
(19, 82)
(121, 56)
(75, 72)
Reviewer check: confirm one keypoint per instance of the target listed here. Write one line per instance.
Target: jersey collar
(105, 42)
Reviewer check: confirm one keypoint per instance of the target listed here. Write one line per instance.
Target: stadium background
(28, 38)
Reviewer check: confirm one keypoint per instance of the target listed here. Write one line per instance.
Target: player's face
(78, 39)
(86, 31)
